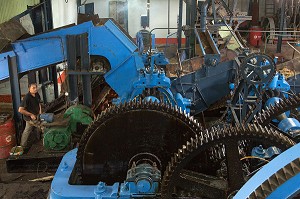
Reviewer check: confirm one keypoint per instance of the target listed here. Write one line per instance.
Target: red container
(7, 137)
(255, 36)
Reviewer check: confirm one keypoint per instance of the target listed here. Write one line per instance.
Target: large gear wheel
(285, 104)
(278, 179)
(253, 70)
(270, 185)
(123, 131)
(182, 180)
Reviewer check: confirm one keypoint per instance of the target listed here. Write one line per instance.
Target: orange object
(62, 77)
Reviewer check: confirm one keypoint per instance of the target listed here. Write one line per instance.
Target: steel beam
(71, 54)
(85, 66)
(179, 34)
(43, 77)
(48, 19)
(53, 73)
(282, 17)
(15, 93)
(188, 23)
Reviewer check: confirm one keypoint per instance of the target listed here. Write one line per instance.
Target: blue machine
(284, 122)
(279, 83)
(265, 153)
(141, 72)
(142, 78)
(142, 181)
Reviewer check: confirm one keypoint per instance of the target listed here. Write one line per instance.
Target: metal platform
(37, 159)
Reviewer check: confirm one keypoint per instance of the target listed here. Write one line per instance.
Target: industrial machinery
(59, 135)
(157, 150)
(277, 179)
(147, 143)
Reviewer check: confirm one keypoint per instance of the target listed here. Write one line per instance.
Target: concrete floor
(19, 186)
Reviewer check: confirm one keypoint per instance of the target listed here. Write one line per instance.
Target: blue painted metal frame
(206, 85)
(107, 41)
(61, 189)
(279, 83)
(287, 189)
(50, 48)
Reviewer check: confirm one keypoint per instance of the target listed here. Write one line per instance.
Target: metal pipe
(203, 13)
(150, 33)
(188, 23)
(297, 36)
(168, 16)
(193, 22)
(279, 44)
(148, 12)
(293, 47)
(179, 23)
(167, 40)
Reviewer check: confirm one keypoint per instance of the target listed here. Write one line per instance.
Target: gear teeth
(185, 113)
(204, 140)
(180, 153)
(188, 146)
(133, 105)
(250, 127)
(285, 104)
(276, 180)
(175, 158)
(184, 150)
(294, 99)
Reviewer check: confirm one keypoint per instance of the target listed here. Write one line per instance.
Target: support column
(188, 22)
(43, 79)
(282, 17)
(53, 72)
(71, 54)
(16, 94)
(85, 65)
(179, 34)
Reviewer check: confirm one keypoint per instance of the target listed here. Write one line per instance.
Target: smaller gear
(258, 69)
(285, 104)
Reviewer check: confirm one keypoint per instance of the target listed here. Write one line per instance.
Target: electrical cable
(254, 157)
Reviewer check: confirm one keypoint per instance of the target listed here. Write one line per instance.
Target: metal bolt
(101, 188)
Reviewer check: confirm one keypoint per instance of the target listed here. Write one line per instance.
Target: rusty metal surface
(10, 31)
(293, 65)
(188, 66)
(196, 63)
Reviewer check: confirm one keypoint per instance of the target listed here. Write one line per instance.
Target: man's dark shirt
(31, 104)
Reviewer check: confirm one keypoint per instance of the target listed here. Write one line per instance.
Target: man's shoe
(17, 150)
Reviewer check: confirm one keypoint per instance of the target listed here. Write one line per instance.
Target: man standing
(30, 107)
